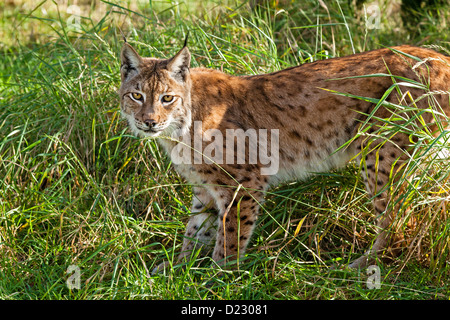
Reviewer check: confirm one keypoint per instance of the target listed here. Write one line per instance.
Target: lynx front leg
(200, 233)
(236, 225)
(200, 230)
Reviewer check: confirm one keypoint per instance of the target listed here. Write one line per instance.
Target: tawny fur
(313, 123)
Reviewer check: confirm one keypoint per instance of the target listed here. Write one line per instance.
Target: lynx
(308, 121)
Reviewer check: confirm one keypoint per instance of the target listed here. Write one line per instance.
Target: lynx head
(155, 93)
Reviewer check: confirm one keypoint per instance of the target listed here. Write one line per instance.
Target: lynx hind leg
(201, 228)
(383, 169)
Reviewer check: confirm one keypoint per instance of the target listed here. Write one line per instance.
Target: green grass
(76, 188)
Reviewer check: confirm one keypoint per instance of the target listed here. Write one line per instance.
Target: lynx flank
(302, 122)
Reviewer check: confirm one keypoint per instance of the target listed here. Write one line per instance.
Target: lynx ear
(178, 66)
(131, 61)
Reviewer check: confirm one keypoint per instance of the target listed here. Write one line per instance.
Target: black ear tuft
(186, 39)
(123, 36)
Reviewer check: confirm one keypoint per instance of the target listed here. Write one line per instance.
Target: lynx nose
(150, 123)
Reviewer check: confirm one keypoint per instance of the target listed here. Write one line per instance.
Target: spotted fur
(313, 122)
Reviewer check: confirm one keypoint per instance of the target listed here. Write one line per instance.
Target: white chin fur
(171, 130)
(135, 130)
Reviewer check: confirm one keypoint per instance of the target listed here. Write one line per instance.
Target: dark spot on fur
(245, 179)
(301, 111)
(220, 182)
(295, 134)
(379, 210)
(307, 154)
(308, 141)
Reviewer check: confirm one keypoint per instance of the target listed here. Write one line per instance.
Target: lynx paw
(161, 267)
(361, 262)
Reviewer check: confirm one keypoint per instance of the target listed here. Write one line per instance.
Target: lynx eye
(136, 96)
(167, 98)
